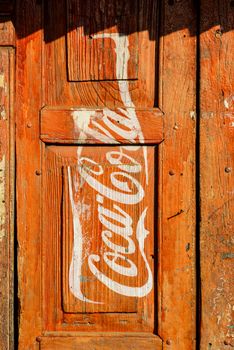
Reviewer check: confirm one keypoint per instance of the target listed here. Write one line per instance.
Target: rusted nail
(168, 342)
(38, 172)
(228, 169)
(29, 125)
(171, 172)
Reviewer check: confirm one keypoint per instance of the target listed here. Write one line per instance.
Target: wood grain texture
(58, 91)
(58, 126)
(6, 197)
(95, 222)
(28, 182)
(44, 215)
(114, 342)
(91, 57)
(217, 169)
(177, 294)
(62, 311)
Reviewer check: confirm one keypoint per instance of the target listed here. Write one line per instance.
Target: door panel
(62, 85)
(88, 213)
(98, 237)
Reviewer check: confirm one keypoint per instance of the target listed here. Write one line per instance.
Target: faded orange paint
(97, 220)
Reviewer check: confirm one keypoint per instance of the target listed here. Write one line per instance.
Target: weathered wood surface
(177, 99)
(58, 91)
(128, 278)
(116, 312)
(28, 181)
(59, 126)
(6, 197)
(90, 49)
(217, 174)
(147, 190)
(7, 32)
(114, 341)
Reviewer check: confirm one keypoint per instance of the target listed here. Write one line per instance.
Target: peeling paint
(2, 80)
(2, 113)
(229, 101)
(227, 255)
(193, 115)
(2, 198)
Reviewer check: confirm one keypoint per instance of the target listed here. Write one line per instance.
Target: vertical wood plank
(177, 296)
(28, 182)
(6, 197)
(217, 169)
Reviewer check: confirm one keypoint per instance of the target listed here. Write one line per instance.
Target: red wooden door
(90, 197)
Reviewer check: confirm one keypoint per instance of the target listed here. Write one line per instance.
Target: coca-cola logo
(123, 192)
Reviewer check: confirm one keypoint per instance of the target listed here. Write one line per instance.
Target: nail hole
(228, 169)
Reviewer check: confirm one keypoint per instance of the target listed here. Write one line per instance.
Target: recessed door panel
(99, 236)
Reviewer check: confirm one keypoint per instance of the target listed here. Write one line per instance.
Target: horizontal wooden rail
(114, 342)
(101, 126)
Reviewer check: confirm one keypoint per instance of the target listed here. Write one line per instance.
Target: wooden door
(98, 223)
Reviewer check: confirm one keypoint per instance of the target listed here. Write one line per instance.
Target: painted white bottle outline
(82, 120)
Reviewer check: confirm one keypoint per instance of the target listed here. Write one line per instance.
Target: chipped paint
(223, 312)
(227, 255)
(229, 101)
(2, 80)
(193, 115)
(2, 113)
(2, 198)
